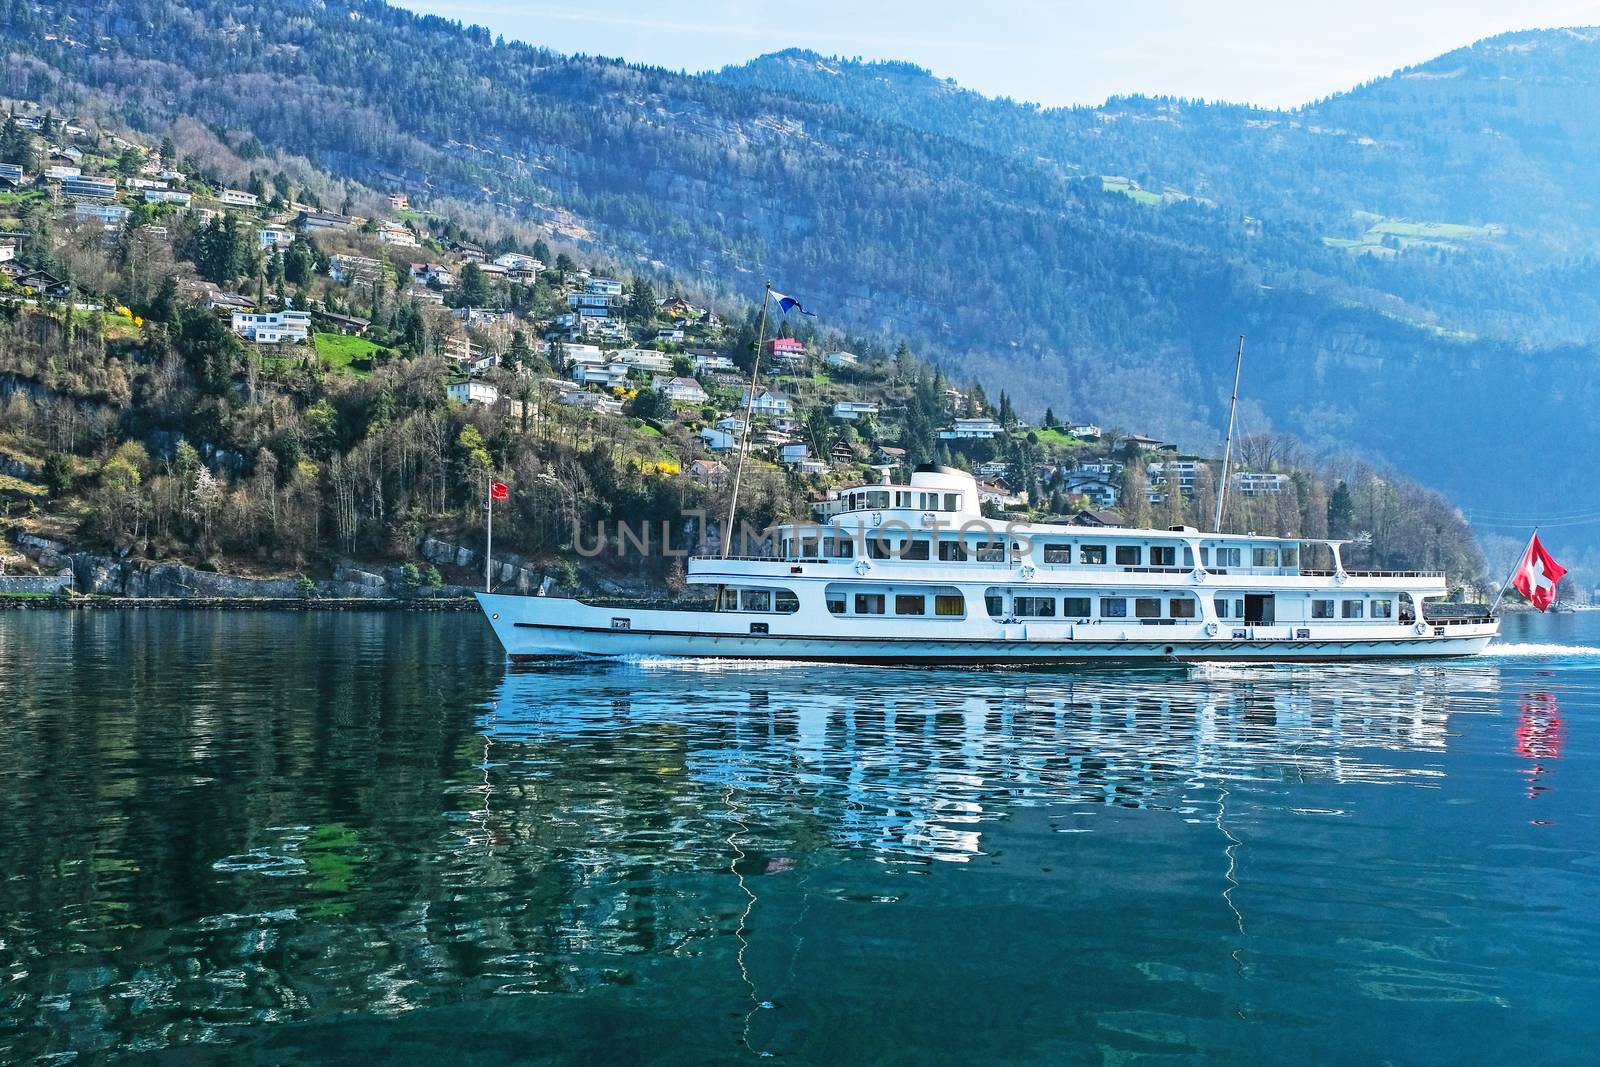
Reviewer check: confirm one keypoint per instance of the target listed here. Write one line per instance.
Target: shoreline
(102, 603)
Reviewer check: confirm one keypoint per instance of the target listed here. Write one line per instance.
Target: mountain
(1413, 261)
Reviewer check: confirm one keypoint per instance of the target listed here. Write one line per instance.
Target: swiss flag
(499, 490)
(1537, 575)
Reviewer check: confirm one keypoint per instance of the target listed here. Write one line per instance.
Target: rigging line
(1496, 513)
(1543, 525)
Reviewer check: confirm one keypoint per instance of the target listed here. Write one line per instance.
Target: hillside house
(237, 198)
(109, 216)
(1096, 517)
(645, 359)
(767, 403)
(788, 350)
(1084, 431)
(842, 360)
(350, 325)
(708, 472)
(474, 393)
(854, 409)
(706, 363)
(975, 429)
(79, 187)
(1102, 490)
(399, 236)
(732, 424)
(793, 453)
(676, 307)
(272, 327)
(61, 173)
(682, 390)
(719, 440)
(168, 196)
(11, 173)
(671, 334)
(997, 493)
(596, 402)
(348, 268)
(274, 237)
(1183, 472)
(1251, 483)
(320, 221)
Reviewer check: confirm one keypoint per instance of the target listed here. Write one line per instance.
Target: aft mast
(1227, 448)
(749, 409)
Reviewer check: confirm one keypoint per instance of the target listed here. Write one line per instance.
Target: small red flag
(1537, 575)
(499, 490)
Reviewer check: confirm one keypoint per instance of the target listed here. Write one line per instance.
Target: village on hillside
(535, 338)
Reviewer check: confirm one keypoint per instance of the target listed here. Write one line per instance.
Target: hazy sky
(1063, 52)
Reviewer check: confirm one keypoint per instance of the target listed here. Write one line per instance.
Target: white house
(732, 424)
(997, 493)
(390, 234)
(853, 409)
(684, 390)
(82, 188)
(273, 237)
(767, 403)
(609, 375)
(605, 405)
(108, 215)
(647, 359)
(237, 198)
(58, 173)
(1251, 483)
(842, 359)
(1084, 431)
(793, 453)
(670, 333)
(272, 327)
(474, 393)
(705, 363)
(346, 268)
(978, 429)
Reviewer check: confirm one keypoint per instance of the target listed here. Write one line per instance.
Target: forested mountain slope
(984, 231)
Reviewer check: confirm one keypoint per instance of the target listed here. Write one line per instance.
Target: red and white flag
(499, 490)
(1537, 575)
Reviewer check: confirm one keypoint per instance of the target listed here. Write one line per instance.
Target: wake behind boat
(913, 573)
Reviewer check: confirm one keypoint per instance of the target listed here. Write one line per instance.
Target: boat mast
(744, 438)
(1227, 448)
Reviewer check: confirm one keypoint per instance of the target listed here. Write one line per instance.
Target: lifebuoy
(929, 518)
(1212, 629)
(1340, 577)
(1198, 575)
(862, 566)
(1420, 628)
(1026, 571)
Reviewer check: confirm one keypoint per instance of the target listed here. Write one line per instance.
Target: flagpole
(749, 407)
(488, 535)
(1515, 567)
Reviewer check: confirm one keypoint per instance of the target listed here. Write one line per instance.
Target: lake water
(308, 838)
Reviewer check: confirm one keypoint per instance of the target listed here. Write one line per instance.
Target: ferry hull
(538, 628)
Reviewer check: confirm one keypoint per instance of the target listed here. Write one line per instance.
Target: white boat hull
(538, 628)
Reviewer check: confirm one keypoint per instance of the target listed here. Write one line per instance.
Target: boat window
(1058, 553)
(1034, 607)
(1075, 607)
(928, 501)
(902, 500)
(785, 602)
(910, 604)
(1289, 557)
(839, 548)
(1265, 557)
(869, 603)
(1383, 609)
(1188, 556)
(913, 550)
(1147, 607)
(1128, 555)
(1228, 557)
(953, 551)
(1355, 609)
(1091, 553)
(1163, 556)
(730, 600)
(1221, 604)
(1182, 607)
(878, 498)
(952, 501)
(1322, 609)
(950, 605)
(877, 547)
(994, 604)
(1113, 607)
(990, 552)
(757, 599)
(836, 603)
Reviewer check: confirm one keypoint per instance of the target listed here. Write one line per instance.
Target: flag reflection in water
(1539, 737)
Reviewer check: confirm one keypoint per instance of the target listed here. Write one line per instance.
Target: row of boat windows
(1089, 555)
(877, 499)
(952, 604)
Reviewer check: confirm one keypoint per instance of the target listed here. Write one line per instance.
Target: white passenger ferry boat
(915, 574)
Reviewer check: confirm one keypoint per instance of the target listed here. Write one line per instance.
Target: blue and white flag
(787, 302)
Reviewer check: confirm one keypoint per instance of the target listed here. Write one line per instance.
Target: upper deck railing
(1375, 574)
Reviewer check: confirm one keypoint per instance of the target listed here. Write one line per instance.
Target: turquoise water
(287, 838)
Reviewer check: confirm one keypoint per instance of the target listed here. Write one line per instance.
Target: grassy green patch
(1386, 237)
(351, 355)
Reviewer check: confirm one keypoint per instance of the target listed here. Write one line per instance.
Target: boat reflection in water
(913, 765)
